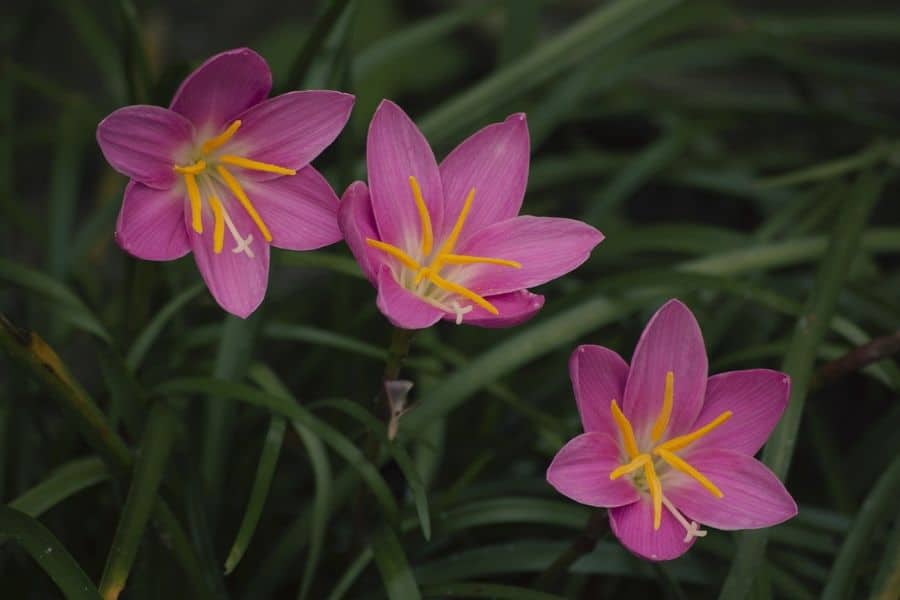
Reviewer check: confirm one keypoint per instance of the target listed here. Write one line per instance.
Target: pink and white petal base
(403, 308)
(396, 150)
(236, 281)
(299, 210)
(671, 341)
(221, 88)
(633, 525)
(580, 471)
(151, 223)
(515, 308)
(357, 223)
(753, 495)
(756, 397)
(494, 161)
(598, 377)
(145, 142)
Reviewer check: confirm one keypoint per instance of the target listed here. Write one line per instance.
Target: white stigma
(691, 529)
(241, 244)
(460, 311)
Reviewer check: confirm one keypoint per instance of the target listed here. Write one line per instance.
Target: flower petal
(395, 151)
(546, 247)
(144, 143)
(598, 377)
(494, 161)
(633, 525)
(358, 223)
(299, 210)
(403, 308)
(290, 130)
(515, 308)
(753, 495)
(756, 397)
(151, 223)
(221, 88)
(671, 341)
(580, 471)
(236, 281)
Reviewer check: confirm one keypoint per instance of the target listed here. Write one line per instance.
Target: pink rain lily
(223, 172)
(679, 451)
(445, 241)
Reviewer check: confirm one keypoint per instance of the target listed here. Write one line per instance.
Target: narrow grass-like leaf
(887, 582)
(398, 579)
(49, 554)
(324, 25)
(321, 337)
(99, 45)
(485, 590)
(65, 183)
(63, 482)
(148, 336)
(336, 263)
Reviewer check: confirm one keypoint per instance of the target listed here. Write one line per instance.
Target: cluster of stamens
(643, 467)
(429, 273)
(210, 170)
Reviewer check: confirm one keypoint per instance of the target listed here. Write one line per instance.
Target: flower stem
(597, 527)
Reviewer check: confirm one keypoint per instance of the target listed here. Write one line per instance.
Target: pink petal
(580, 471)
(671, 341)
(151, 223)
(598, 377)
(403, 308)
(515, 308)
(494, 161)
(145, 143)
(236, 281)
(290, 130)
(299, 210)
(757, 398)
(221, 88)
(395, 151)
(546, 247)
(633, 525)
(753, 495)
(358, 223)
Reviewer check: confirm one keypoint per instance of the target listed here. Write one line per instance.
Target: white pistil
(691, 529)
(242, 245)
(460, 311)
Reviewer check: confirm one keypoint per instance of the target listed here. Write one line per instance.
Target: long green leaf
(398, 579)
(485, 590)
(65, 481)
(148, 336)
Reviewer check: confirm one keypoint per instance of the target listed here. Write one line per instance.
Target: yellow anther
(683, 441)
(462, 259)
(627, 432)
(255, 165)
(190, 182)
(396, 252)
(194, 169)
(238, 192)
(680, 464)
(634, 465)
(424, 216)
(655, 493)
(221, 139)
(450, 243)
(462, 291)
(219, 231)
(662, 421)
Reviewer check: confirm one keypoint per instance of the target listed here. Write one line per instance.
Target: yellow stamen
(655, 493)
(190, 182)
(194, 169)
(662, 421)
(238, 192)
(396, 252)
(424, 217)
(462, 259)
(221, 139)
(634, 465)
(462, 291)
(684, 440)
(450, 242)
(219, 231)
(255, 165)
(627, 432)
(679, 463)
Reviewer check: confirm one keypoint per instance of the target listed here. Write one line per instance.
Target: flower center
(426, 280)
(207, 173)
(642, 466)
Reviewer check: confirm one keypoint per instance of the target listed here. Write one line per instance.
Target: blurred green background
(740, 156)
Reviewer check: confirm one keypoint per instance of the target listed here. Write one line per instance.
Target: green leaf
(49, 554)
(148, 336)
(485, 590)
(393, 566)
(321, 337)
(63, 482)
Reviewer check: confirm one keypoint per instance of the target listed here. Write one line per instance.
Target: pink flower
(445, 241)
(224, 172)
(680, 450)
